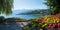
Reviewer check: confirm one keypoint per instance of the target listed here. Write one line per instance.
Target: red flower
(58, 24)
(52, 25)
(41, 20)
(58, 28)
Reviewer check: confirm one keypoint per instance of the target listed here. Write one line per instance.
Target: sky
(29, 4)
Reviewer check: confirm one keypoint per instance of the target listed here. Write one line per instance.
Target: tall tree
(54, 6)
(6, 6)
(49, 4)
(57, 10)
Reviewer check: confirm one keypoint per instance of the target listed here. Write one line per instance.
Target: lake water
(31, 16)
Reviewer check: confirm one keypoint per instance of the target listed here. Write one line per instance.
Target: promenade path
(13, 25)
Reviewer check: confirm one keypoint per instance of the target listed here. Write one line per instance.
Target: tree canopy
(6, 6)
(54, 6)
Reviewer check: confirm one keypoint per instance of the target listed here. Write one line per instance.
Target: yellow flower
(44, 25)
(54, 21)
(41, 29)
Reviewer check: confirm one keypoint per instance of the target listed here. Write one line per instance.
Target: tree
(57, 6)
(54, 6)
(6, 6)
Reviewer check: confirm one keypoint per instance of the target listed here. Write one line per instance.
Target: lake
(30, 16)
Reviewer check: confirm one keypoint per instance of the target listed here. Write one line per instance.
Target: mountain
(37, 11)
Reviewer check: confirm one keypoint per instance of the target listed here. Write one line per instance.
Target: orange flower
(41, 20)
(57, 15)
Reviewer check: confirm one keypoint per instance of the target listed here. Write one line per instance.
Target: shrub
(1, 19)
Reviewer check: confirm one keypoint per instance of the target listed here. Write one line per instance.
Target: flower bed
(51, 21)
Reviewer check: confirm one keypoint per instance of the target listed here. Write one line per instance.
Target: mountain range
(28, 12)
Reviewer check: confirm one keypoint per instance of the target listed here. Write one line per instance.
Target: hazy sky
(29, 4)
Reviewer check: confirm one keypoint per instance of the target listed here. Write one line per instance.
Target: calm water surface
(32, 16)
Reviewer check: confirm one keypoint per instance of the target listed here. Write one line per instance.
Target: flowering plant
(51, 20)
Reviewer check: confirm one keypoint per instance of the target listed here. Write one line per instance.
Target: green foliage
(1, 19)
(6, 6)
(34, 25)
(26, 28)
(54, 6)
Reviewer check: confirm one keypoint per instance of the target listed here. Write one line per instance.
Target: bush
(2, 19)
